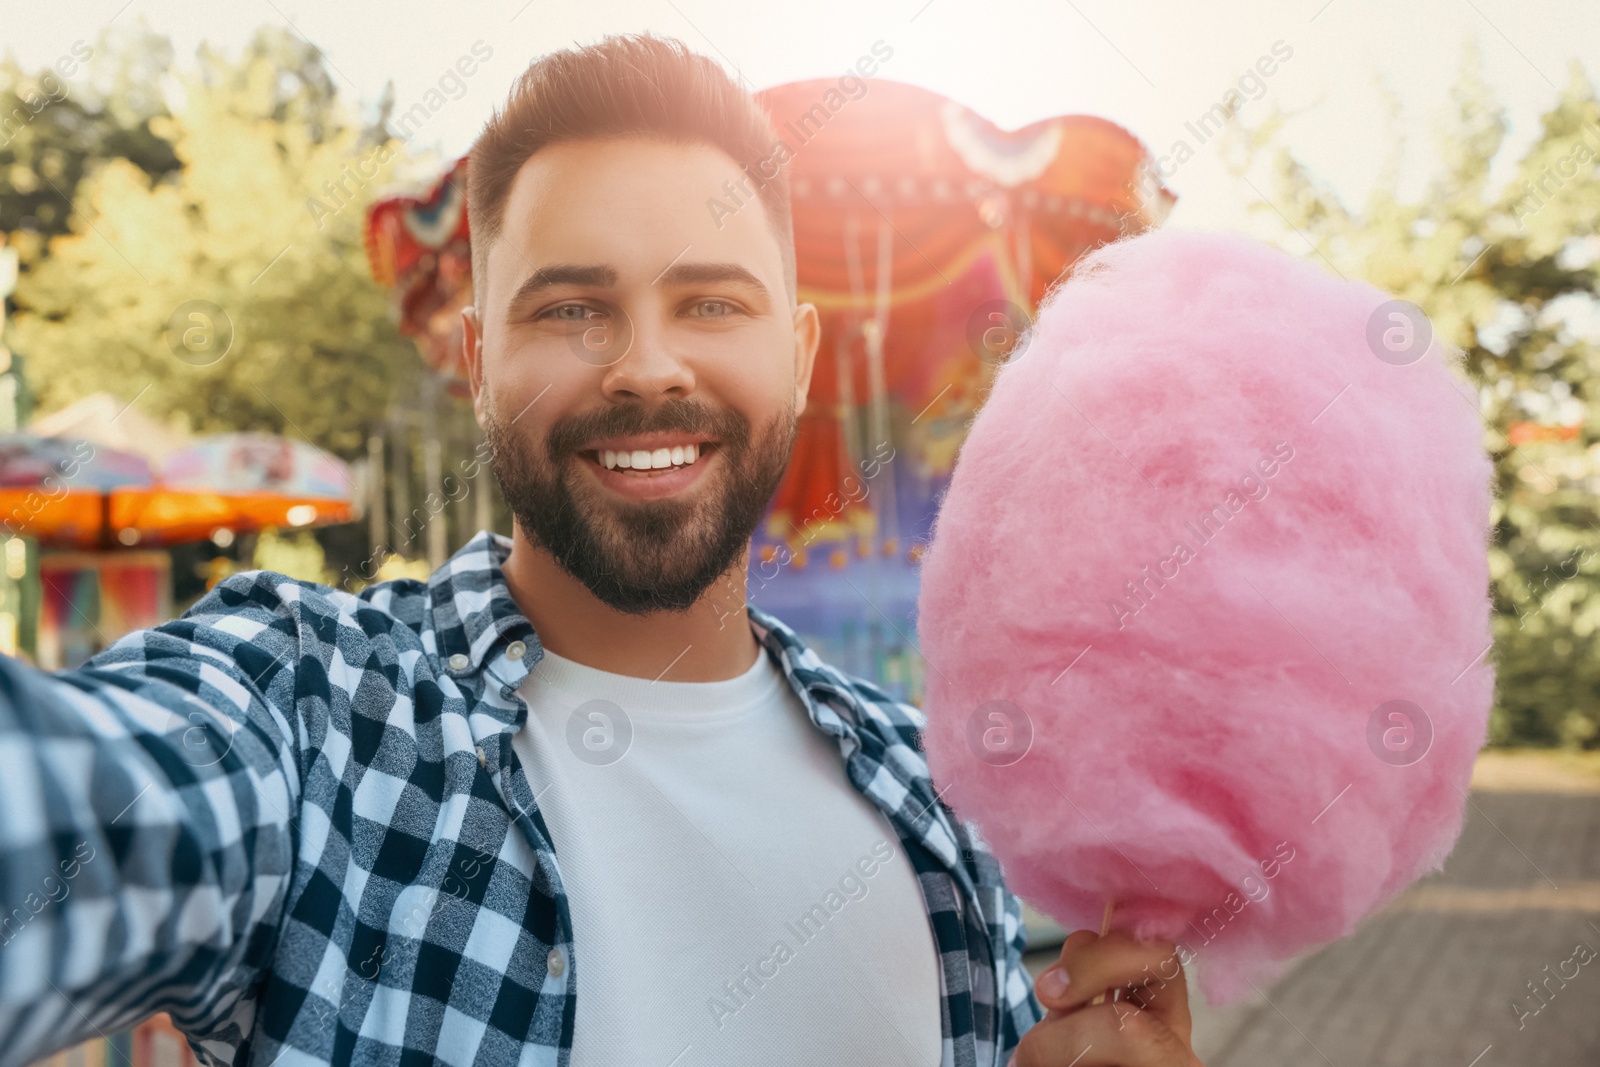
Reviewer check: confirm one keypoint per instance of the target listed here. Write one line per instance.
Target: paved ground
(1432, 981)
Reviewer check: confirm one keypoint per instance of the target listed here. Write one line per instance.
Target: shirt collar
(473, 611)
(475, 617)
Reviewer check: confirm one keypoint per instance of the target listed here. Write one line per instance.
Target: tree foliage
(229, 291)
(94, 103)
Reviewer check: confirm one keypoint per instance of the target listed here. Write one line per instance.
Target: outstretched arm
(146, 804)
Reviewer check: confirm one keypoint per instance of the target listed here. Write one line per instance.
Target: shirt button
(458, 662)
(557, 963)
(516, 650)
(483, 761)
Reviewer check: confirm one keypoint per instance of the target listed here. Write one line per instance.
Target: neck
(710, 642)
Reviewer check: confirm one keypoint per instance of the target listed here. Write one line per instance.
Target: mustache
(683, 415)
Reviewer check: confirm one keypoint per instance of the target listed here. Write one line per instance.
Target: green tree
(232, 291)
(93, 103)
(1508, 274)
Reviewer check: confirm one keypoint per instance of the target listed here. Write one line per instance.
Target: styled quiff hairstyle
(630, 85)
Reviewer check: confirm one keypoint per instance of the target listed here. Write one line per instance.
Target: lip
(656, 485)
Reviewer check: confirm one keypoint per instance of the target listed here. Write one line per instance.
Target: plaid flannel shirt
(293, 819)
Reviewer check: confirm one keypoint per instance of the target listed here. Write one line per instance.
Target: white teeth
(644, 459)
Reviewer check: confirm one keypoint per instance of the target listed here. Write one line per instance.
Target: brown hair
(630, 85)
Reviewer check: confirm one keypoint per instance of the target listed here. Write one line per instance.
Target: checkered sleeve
(1019, 1008)
(1016, 1006)
(145, 829)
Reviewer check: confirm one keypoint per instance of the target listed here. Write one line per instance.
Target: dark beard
(646, 556)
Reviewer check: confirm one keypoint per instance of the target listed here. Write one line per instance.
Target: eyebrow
(706, 273)
(599, 277)
(604, 277)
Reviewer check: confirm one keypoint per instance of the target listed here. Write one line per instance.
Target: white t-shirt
(734, 898)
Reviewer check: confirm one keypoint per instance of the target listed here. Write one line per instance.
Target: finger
(1104, 1035)
(1172, 1010)
(1090, 965)
(1148, 971)
(1051, 984)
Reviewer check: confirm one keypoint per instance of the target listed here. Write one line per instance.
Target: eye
(569, 313)
(713, 309)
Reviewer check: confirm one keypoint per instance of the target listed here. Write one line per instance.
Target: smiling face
(637, 365)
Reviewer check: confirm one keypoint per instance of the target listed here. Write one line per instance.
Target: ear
(807, 336)
(472, 357)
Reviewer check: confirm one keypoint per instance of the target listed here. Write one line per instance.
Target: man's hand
(1144, 1021)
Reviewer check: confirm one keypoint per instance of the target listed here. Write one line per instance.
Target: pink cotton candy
(1212, 745)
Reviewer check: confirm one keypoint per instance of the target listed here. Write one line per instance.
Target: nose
(651, 365)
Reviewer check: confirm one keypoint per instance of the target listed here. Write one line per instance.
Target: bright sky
(1150, 67)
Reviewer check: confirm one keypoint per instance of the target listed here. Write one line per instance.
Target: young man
(570, 801)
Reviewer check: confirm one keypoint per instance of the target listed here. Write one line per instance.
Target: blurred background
(233, 246)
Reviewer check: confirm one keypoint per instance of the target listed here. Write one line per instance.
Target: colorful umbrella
(63, 491)
(244, 482)
(71, 493)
